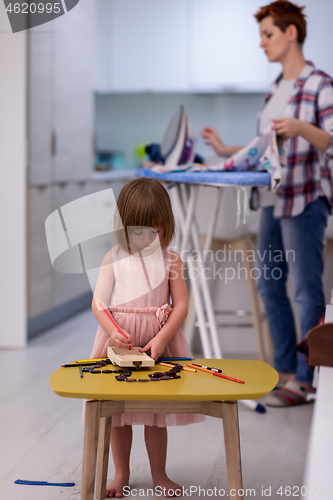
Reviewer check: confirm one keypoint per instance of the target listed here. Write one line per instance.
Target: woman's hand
(291, 127)
(119, 340)
(213, 139)
(287, 127)
(156, 347)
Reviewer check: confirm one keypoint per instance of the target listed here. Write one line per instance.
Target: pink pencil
(113, 321)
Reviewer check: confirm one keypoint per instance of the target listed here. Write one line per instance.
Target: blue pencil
(174, 359)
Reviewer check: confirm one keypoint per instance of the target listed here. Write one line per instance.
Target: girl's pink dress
(142, 317)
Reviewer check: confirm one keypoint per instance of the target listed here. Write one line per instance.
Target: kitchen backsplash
(124, 121)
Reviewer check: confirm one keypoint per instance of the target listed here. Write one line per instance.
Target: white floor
(41, 434)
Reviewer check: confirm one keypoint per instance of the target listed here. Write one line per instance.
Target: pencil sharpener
(129, 358)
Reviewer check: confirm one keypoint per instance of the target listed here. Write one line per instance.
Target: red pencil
(199, 367)
(113, 321)
(228, 378)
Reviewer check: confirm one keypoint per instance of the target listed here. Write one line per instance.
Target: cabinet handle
(53, 144)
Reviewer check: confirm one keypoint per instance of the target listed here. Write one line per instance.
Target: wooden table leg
(232, 448)
(103, 456)
(91, 430)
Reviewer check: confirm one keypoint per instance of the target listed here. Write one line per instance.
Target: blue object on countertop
(199, 159)
(210, 177)
(41, 483)
(154, 152)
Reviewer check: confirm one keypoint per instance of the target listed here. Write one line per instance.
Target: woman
(293, 220)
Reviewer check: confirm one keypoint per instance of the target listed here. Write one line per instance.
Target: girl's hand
(212, 139)
(156, 347)
(287, 127)
(119, 340)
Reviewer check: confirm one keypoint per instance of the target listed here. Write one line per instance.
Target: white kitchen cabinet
(178, 45)
(60, 130)
(40, 109)
(193, 45)
(49, 289)
(61, 98)
(40, 272)
(141, 45)
(225, 44)
(68, 286)
(225, 52)
(73, 94)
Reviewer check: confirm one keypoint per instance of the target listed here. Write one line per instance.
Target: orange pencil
(217, 374)
(199, 368)
(81, 361)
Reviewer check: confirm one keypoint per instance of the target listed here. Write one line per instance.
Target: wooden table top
(259, 377)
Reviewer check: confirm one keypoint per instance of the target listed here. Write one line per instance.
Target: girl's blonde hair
(143, 202)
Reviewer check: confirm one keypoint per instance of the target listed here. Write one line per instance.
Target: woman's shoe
(291, 394)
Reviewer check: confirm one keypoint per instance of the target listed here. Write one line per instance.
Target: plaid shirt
(307, 175)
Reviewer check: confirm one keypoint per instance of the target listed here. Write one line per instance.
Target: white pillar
(13, 317)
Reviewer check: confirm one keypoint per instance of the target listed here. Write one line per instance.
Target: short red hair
(284, 14)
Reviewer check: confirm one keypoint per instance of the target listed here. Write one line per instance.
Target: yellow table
(193, 393)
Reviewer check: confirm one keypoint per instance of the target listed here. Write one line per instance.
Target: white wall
(12, 185)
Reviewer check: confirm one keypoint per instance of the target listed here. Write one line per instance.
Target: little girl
(136, 280)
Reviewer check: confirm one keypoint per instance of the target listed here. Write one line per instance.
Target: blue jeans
(294, 243)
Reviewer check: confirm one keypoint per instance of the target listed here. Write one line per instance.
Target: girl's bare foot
(169, 488)
(115, 488)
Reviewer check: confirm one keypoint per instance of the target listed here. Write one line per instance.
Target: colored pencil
(70, 365)
(229, 378)
(174, 359)
(217, 370)
(90, 360)
(197, 367)
(184, 367)
(113, 321)
(217, 374)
